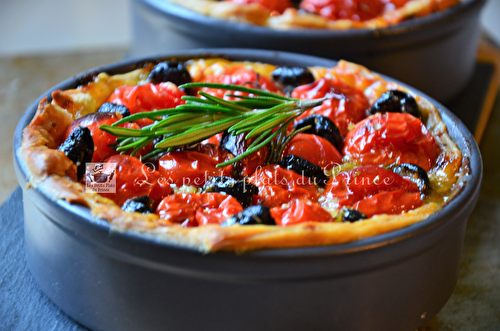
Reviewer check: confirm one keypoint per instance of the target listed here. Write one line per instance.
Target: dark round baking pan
(109, 280)
(434, 53)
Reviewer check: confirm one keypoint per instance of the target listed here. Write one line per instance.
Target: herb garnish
(264, 116)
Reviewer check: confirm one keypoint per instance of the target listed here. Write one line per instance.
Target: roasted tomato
(299, 211)
(133, 179)
(391, 203)
(193, 209)
(348, 106)
(350, 188)
(190, 168)
(278, 6)
(239, 75)
(354, 10)
(391, 138)
(277, 186)
(314, 149)
(103, 141)
(237, 145)
(147, 97)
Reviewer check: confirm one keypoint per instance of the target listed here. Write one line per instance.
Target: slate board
(23, 306)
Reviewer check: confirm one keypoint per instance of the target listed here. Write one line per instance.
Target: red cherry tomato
(190, 168)
(147, 97)
(215, 140)
(103, 141)
(314, 149)
(193, 209)
(391, 203)
(349, 187)
(278, 186)
(239, 75)
(354, 10)
(300, 211)
(348, 106)
(134, 179)
(391, 138)
(273, 5)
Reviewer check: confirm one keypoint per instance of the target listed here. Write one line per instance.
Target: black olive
(234, 144)
(79, 148)
(292, 76)
(414, 173)
(258, 214)
(241, 190)
(395, 102)
(296, 3)
(142, 204)
(170, 71)
(324, 127)
(109, 107)
(304, 168)
(352, 215)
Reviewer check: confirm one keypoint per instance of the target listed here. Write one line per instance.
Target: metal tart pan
(435, 53)
(108, 280)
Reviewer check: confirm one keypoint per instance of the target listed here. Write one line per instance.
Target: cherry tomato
(314, 149)
(134, 179)
(147, 97)
(351, 186)
(190, 168)
(239, 75)
(354, 10)
(348, 106)
(391, 203)
(103, 141)
(215, 139)
(300, 211)
(193, 209)
(391, 138)
(278, 186)
(273, 5)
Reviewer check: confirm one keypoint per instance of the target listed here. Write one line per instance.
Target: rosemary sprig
(263, 115)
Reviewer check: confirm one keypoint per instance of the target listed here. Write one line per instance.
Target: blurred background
(43, 42)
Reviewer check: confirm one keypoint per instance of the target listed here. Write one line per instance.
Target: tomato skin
(365, 187)
(134, 179)
(147, 97)
(300, 211)
(190, 168)
(102, 140)
(273, 5)
(278, 186)
(194, 209)
(391, 138)
(391, 203)
(314, 149)
(238, 75)
(347, 107)
(354, 10)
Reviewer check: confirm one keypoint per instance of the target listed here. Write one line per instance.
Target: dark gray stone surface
(22, 305)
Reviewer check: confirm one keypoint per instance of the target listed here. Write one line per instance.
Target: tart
(213, 154)
(316, 14)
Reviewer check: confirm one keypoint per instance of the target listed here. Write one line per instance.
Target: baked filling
(316, 14)
(281, 157)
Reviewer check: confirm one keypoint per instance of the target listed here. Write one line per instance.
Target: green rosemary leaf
(239, 88)
(125, 132)
(259, 116)
(269, 125)
(190, 98)
(198, 133)
(259, 139)
(223, 102)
